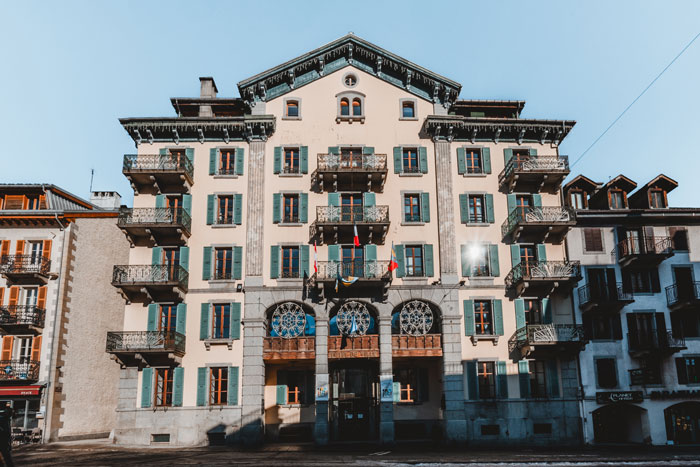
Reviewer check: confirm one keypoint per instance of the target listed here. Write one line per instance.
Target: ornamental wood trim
(355, 347)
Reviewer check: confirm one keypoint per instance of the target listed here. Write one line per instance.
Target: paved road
(81, 454)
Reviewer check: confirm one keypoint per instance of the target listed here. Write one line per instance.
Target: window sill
(412, 223)
(408, 119)
(290, 224)
(224, 226)
(477, 224)
(355, 118)
(417, 174)
(415, 279)
(294, 406)
(479, 175)
(290, 279)
(226, 176)
(492, 338)
(291, 175)
(291, 118)
(209, 342)
(481, 281)
(222, 281)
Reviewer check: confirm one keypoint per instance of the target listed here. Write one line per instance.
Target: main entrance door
(354, 401)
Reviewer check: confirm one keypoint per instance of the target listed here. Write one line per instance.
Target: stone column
(453, 371)
(386, 409)
(321, 426)
(256, 214)
(446, 223)
(253, 381)
(124, 430)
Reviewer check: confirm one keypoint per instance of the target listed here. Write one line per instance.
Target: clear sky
(71, 69)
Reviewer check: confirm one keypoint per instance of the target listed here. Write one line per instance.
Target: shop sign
(20, 390)
(682, 394)
(322, 387)
(620, 396)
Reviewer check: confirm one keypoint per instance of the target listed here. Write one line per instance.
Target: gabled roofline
(584, 180)
(621, 178)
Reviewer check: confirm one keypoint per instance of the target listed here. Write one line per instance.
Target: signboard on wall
(619, 396)
(386, 383)
(322, 387)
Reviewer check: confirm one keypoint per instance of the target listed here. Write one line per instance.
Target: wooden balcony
(353, 347)
(279, 349)
(654, 344)
(548, 340)
(603, 299)
(643, 252)
(534, 174)
(360, 172)
(429, 345)
(19, 371)
(683, 297)
(155, 226)
(537, 224)
(25, 269)
(150, 283)
(22, 319)
(336, 224)
(540, 278)
(158, 173)
(153, 348)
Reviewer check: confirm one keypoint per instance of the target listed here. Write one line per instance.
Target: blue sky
(71, 69)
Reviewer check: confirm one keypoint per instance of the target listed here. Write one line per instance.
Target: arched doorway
(683, 423)
(620, 424)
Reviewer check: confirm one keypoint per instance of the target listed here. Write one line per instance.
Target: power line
(635, 100)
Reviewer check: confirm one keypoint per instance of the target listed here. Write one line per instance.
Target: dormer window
(292, 109)
(577, 199)
(657, 198)
(617, 199)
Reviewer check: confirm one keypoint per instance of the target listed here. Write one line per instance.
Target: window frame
(664, 199)
(221, 392)
(351, 97)
(295, 199)
(416, 216)
(227, 261)
(482, 372)
(537, 379)
(617, 191)
(167, 322)
(476, 269)
(598, 382)
(414, 247)
(223, 308)
(686, 376)
(481, 322)
(285, 108)
(288, 170)
(482, 198)
(578, 192)
(414, 104)
(227, 220)
(161, 395)
(291, 274)
(585, 243)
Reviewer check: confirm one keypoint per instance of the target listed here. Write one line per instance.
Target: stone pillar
(321, 426)
(386, 409)
(253, 387)
(125, 426)
(453, 371)
(256, 214)
(446, 223)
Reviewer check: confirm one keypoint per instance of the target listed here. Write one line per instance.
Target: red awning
(19, 390)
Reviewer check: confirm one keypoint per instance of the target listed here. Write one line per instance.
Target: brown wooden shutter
(593, 239)
(14, 295)
(5, 248)
(2, 295)
(6, 352)
(19, 249)
(14, 202)
(42, 202)
(41, 298)
(47, 249)
(36, 348)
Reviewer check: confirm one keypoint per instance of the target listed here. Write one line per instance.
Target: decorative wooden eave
(349, 50)
(584, 183)
(199, 129)
(518, 130)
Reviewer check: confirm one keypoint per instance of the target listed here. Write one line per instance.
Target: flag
(353, 326)
(337, 277)
(356, 240)
(393, 264)
(347, 281)
(315, 259)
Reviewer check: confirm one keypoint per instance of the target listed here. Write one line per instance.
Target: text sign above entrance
(621, 396)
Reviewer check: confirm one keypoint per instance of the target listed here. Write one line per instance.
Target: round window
(350, 80)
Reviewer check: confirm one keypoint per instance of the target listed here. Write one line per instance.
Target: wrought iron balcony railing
(331, 270)
(644, 376)
(554, 270)
(547, 334)
(148, 273)
(538, 215)
(650, 245)
(603, 294)
(343, 162)
(534, 164)
(352, 214)
(19, 370)
(145, 341)
(157, 163)
(25, 264)
(676, 294)
(652, 341)
(158, 216)
(28, 315)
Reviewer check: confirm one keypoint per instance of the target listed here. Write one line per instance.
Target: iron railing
(676, 293)
(29, 315)
(352, 214)
(649, 341)
(362, 269)
(290, 219)
(343, 162)
(554, 270)
(144, 341)
(547, 334)
(25, 264)
(603, 294)
(644, 376)
(226, 171)
(148, 273)
(535, 164)
(221, 275)
(647, 245)
(412, 218)
(161, 216)
(157, 163)
(537, 215)
(22, 369)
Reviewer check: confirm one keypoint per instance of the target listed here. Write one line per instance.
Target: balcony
(353, 347)
(155, 226)
(539, 224)
(662, 342)
(428, 345)
(20, 371)
(22, 319)
(137, 348)
(25, 269)
(606, 299)
(645, 376)
(280, 349)
(336, 224)
(540, 278)
(150, 283)
(367, 273)
(683, 297)
(645, 251)
(158, 173)
(534, 174)
(548, 340)
(363, 172)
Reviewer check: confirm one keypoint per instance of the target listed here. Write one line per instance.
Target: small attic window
(657, 198)
(350, 80)
(408, 110)
(292, 109)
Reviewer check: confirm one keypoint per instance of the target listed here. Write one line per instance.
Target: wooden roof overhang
(641, 197)
(637, 217)
(583, 183)
(496, 129)
(47, 218)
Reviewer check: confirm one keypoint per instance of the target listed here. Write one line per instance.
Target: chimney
(207, 90)
(108, 200)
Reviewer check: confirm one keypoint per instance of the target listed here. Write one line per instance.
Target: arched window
(356, 107)
(344, 107)
(351, 107)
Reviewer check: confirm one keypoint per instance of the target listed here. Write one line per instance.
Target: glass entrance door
(354, 399)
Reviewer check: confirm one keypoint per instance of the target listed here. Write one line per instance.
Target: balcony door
(23, 349)
(528, 257)
(36, 250)
(171, 259)
(523, 203)
(683, 278)
(168, 318)
(520, 156)
(351, 157)
(174, 203)
(601, 282)
(351, 206)
(646, 330)
(353, 261)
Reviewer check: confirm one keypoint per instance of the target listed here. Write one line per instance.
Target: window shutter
(463, 209)
(160, 201)
(532, 151)
(156, 255)
(497, 318)
(423, 385)
(398, 162)
(185, 257)
(519, 313)
(369, 199)
(423, 159)
(304, 156)
(494, 267)
(367, 150)
(152, 324)
(593, 239)
(46, 249)
(277, 163)
(41, 298)
(333, 149)
(232, 385)
(515, 255)
(466, 264)
(681, 370)
(511, 203)
(187, 203)
(461, 161)
(616, 328)
(502, 380)
(36, 349)
(181, 318)
(425, 207)
(304, 254)
(537, 201)
(486, 159)
(201, 386)
(146, 387)
(237, 208)
(428, 260)
(370, 252)
(211, 206)
(189, 153)
(655, 285)
(472, 389)
(204, 321)
(396, 391)
(178, 385)
(507, 155)
(524, 378)
(274, 261)
(468, 317)
(333, 252)
(206, 263)
(237, 262)
(541, 252)
(163, 151)
(6, 353)
(489, 208)
(552, 378)
(400, 261)
(240, 157)
(333, 199)
(546, 311)
(4, 248)
(2, 296)
(13, 298)
(304, 208)
(276, 207)
(235, 320)
(19, 247)
(281, 394)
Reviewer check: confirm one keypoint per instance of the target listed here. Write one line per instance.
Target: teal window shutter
(304, 208)
(494, 267)
(515, 255)
(486, 159)
(178, 385)
(204, 322)
(428, 260)
(304, 254)
(532, 151)
(472, 389)
(152, 324)
(546, 311)
(146, 387)
(466, 263)
(423, 159)
(468, 317)
(368, 199)
(502, 380)
(235, 320)
(461, 161)
(524, 378)
(281, 394)
(277, 163)
(367, 150)
(519, 313)
(187, 203)
(541, 252)
(156, 256)
(537, 200)
(489, 208)
(333, 199)
(211, 208)
(189, 153)
(400, 261)
(160, 201)
(185, 257)
(333, 252)
(237, 262)
(276, 207)
(370, 252)
(181, 318)
(201, 386)
(333, 149)
(232, 385)
(511, 203)
(396, 391)
(507, 155)
(213, 156)
(274, 261)
(240, 152)
(552, 378)
(164, 151)
(304, 156)
(464, 208)
(425, 207)
(206, 263)
(238, 208)
(497, 318)
(398, 160)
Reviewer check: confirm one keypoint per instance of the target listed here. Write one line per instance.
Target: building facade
(348, 251)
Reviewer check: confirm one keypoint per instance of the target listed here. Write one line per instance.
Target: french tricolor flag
(356, 240)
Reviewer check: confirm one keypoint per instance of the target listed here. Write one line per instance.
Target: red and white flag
(315, 259)
(356, 240)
